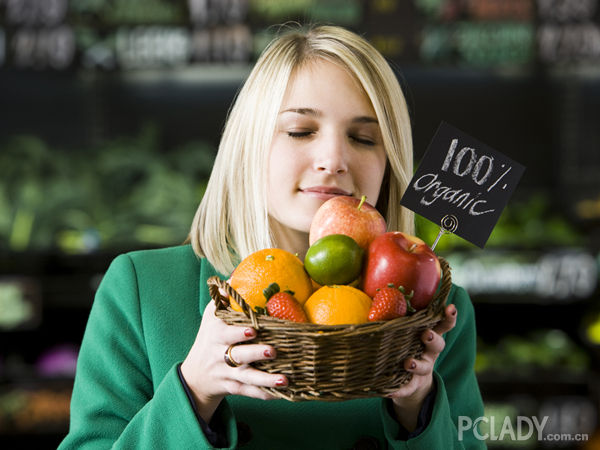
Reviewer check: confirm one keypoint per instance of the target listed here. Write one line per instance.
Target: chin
(302, 224)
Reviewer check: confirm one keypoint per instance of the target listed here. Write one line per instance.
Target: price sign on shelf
(462, 185)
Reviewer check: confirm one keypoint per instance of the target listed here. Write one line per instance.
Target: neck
(293, 241)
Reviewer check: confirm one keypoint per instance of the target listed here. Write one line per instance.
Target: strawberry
(283, 305)
(388, 303)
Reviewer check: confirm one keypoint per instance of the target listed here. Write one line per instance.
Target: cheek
(281, 175)
(369, 175)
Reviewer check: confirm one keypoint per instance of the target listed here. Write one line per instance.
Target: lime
(334, 259)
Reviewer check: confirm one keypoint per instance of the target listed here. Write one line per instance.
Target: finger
(405, 391)
(419, 366)
(247, 390)
(209, 308)
(249, 353)
(448, 322)
(434, 343)
(233, 334)
(250, 376)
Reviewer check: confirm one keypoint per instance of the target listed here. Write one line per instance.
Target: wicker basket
(336, 362)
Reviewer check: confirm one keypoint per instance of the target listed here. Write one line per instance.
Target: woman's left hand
(409, 398)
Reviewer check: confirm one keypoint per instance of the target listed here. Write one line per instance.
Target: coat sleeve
(114, 402)
(457, 390)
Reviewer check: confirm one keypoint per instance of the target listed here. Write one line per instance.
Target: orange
(337, 305)
(273, 265)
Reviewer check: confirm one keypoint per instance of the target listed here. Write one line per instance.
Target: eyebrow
(317, 113)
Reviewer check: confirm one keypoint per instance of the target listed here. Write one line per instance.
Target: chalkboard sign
(462, 184)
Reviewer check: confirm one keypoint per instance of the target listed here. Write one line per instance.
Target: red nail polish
(249, 332)
(453, 311)
(430, 336)
(268, 354)
(281, 382)
(413, 365)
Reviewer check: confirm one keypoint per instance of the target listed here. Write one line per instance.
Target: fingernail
(453, 311)
(413, 365)
(281, 382)
(430, 336)
(249, 332)
(268, 353)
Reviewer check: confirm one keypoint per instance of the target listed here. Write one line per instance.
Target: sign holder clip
(448, 225)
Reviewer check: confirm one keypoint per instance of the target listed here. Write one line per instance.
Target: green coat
(127, 393)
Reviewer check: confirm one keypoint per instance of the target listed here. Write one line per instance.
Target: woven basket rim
(258, 321)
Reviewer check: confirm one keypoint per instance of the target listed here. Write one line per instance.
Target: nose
(332, 156)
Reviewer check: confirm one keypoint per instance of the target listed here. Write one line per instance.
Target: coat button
(366, 443)
(244, 433)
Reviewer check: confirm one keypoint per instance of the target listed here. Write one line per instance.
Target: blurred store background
(110, 115)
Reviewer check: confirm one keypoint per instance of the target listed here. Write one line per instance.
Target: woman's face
(327, 142)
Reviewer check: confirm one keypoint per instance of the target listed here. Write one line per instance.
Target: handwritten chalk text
(466, 201)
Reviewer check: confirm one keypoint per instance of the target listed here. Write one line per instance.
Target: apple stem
(362, 200)
(412, 247)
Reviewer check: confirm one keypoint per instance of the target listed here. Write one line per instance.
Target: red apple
(403, 260)
(350, 216)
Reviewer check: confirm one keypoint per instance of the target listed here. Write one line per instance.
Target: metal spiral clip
(448, 224)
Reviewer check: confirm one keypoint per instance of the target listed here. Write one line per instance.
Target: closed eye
(362, 141)
(299, 134)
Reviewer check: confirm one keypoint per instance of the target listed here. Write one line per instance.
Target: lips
(325, 191)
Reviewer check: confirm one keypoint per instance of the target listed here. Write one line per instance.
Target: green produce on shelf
(525, 223)
(123, 193)
(130, 11)
(592, 328)
(14, 309)
(333, 11)
(540, 350)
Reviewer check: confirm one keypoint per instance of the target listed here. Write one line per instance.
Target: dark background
(111, 113)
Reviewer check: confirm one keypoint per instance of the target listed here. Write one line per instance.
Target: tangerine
(338, 305)
(260, 269)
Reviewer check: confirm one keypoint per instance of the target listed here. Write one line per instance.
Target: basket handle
(215, 284)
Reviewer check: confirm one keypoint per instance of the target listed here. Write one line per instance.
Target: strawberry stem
(261, 311)
(271, 290)
(362, 200)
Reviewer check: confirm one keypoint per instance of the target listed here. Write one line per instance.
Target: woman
(320, 115)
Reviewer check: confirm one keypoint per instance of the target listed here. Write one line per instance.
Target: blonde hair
(232, 220)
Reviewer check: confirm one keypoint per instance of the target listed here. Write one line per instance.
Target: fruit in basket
(403, 260)
(389, 303)
(334, 259)
(284, 305)
(338, 305)
(273, 265)
(350, 216)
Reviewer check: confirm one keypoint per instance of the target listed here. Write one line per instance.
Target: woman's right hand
(210, 378)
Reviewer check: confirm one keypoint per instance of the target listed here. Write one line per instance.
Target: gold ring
(229, 359)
